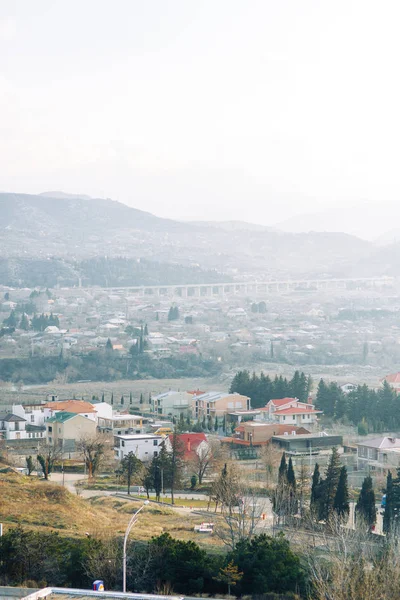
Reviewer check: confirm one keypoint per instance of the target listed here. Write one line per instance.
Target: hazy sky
(225, 109)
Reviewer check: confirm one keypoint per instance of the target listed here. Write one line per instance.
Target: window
(32, 418)
(284, 418)
(50, 429)
(59, 430)
(50, 440)
(155, 453)
(155, 442)
(122, 443)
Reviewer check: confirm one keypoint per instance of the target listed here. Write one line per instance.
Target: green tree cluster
(369, 409)
(330, 496)
(261, 388)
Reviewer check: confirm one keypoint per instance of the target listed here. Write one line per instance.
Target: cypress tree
(316, 482)
(282, 473)
(102, 397)
(122, 399)
(365, 507)
(146, 330)
(130, 398)
(24, 323)
(291, 478)
(330, 485)
(141, 398)
(341, 502)
(388, 514)
(112, 398)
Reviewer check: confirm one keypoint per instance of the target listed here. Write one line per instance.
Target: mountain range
(74, 228)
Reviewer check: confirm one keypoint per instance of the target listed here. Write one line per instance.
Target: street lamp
(131, 523)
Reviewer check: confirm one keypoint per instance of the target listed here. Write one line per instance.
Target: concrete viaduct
(263, 288)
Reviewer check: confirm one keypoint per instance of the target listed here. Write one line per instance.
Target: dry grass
(43, 506)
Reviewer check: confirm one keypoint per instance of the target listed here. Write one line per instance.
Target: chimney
(309, 400)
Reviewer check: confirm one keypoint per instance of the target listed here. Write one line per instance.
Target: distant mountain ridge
(74, 228)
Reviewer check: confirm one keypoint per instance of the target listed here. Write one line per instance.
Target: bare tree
(95, 450)
(270, 456)
(354, 566)
(207, 456)
(240, 507)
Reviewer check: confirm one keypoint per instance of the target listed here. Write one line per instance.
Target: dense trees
(261, 388)
(103, 366)
(330, 496)
(373, 410)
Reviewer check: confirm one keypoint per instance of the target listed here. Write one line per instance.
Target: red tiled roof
(72, 406)
(296, 411)
(196, 392)
(189, 442)
(392, 378)
(282, 401)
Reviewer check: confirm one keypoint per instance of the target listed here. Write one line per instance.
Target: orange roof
(296, 410)
(392, 378)
(282, 401)
(196, 392)
(72, 406)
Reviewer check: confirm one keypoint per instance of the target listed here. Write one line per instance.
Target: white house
(32, 413)
(290, 411)
(12, 427)
(144, 446)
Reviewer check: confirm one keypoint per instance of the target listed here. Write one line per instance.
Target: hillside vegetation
(42, 506)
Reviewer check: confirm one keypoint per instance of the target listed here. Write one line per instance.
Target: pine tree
(341, 502)
(109, 346)
(365, 507)
(282, 473)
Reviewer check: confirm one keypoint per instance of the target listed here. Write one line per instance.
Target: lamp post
(131, 523)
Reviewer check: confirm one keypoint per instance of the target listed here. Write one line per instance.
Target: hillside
(77, 228)
(43, 506)
(100, 271)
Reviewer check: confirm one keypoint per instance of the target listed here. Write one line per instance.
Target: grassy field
(43, 506)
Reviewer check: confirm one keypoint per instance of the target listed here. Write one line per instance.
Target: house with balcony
(12, 427)
(122, 423)
(173, 404)
(290, 411)
(218, 404)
